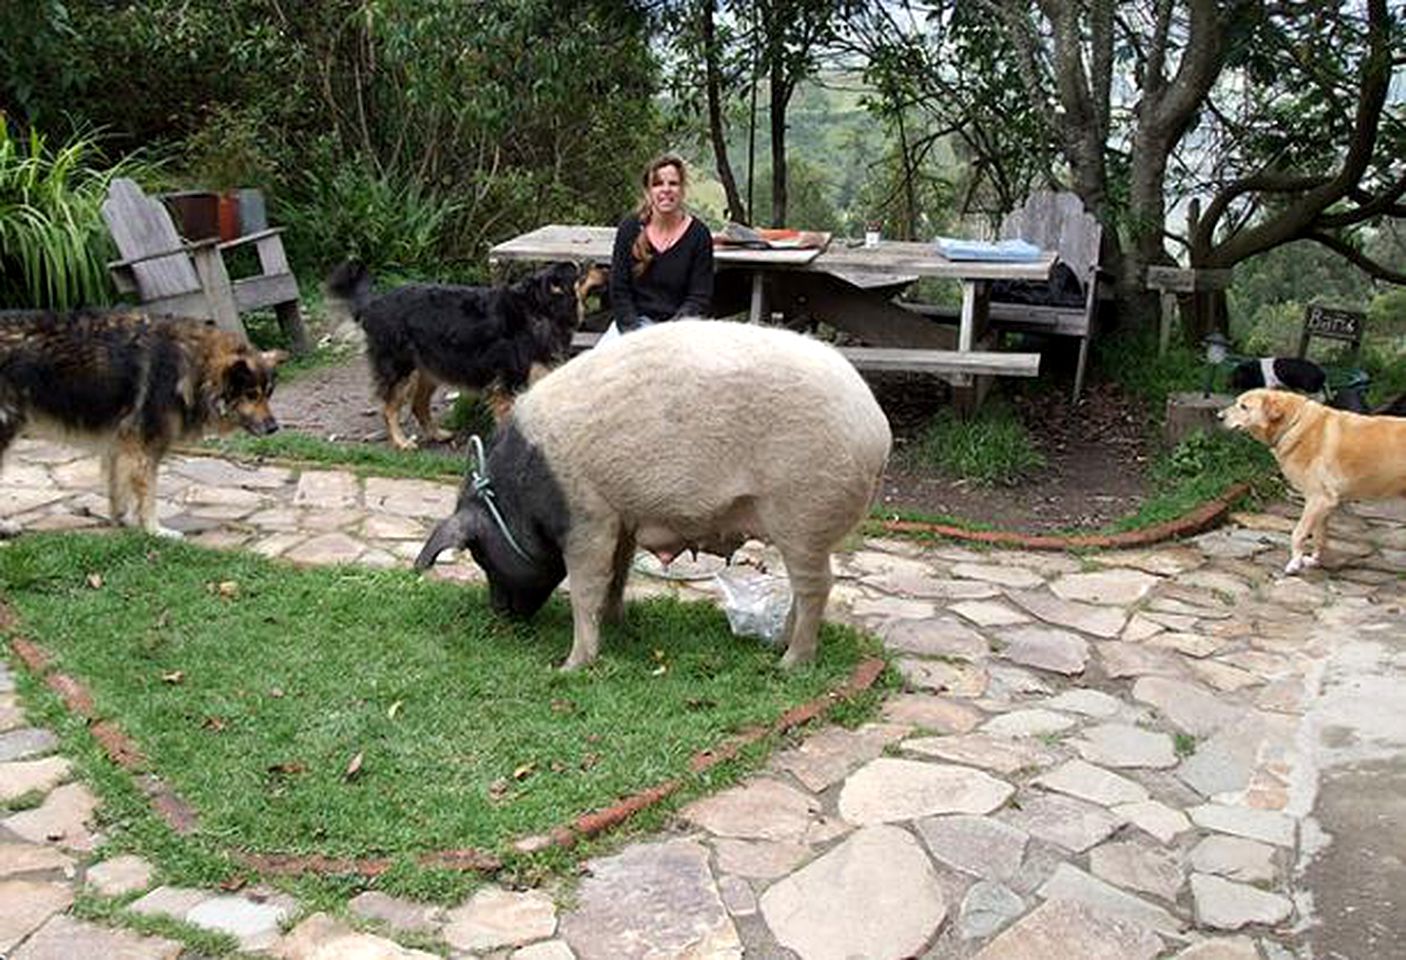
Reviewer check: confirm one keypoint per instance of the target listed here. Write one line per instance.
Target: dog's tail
(349, 285)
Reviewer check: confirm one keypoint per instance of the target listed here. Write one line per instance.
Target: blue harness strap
(483, 489)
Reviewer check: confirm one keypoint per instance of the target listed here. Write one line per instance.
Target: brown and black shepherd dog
(496, 340)
(131, 384)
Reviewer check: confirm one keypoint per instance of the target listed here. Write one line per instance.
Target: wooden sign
(1333, 323)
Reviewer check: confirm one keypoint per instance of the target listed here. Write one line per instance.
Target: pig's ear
(451, 533)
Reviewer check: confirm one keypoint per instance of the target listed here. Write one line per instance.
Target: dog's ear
(1273, 405)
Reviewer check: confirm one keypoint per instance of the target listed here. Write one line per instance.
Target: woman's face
(666, 189)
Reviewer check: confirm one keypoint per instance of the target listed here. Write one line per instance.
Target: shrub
(54, 245)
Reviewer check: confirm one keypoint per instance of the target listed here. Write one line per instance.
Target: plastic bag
(756, 603)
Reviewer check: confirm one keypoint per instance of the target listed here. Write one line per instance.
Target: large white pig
(690, 434)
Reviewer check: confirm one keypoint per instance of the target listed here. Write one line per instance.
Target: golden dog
(1327, 455)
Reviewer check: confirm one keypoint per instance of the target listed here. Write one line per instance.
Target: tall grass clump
(989, 448)
(53, 243)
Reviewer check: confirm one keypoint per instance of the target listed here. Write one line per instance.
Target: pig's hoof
(1295, 564)
(794, 659)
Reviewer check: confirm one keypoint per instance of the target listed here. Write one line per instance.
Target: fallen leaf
(498, 789)
(95, 580)
(288, 767)
(590, 760)
(229, 589)
(558, 767)
(563, 706)
(217, 724)
(354, 767)
(394, 709)
(236, 882)
(524, 771)
(175, 676)
(660, 670)
(276, 693)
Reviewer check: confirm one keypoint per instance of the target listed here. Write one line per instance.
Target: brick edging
(1194, 521)
(180, 816)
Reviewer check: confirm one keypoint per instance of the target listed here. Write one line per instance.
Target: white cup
(871, 237)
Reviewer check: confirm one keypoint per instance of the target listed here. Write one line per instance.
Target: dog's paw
(1312, 560)
(1295, 564)
(167, 533)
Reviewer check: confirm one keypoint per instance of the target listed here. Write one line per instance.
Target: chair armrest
(251, 237)
(186, 248)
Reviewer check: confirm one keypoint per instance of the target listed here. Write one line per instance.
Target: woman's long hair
(642, 251)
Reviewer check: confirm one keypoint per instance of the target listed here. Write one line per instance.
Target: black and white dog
(1279, 373)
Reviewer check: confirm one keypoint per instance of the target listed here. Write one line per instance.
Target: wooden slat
(904, 360)
(251, 293)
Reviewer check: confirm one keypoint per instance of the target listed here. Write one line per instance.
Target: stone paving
(1101, 757)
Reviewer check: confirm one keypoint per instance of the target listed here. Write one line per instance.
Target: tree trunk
(780, 94)
(735, 209)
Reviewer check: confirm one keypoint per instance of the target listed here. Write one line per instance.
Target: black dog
(1289, 373)
(492, 339)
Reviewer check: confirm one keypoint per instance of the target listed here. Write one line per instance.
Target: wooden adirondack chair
(1057, 221)
(172, 276)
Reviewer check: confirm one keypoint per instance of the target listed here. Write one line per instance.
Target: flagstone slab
(987, 908)
(1082, 779)
(989, 613)
(19, 777)
(494, 918)
(1071, 883)
(1124, 745)
(1001, 754)
(1155, 818)
(890, 789)
(1165, 560)
(401, 914)
(1216, 581)
(931, 712)
(27, 742)
(827, 755)
(18, 500)
(980, 846)
(1028, 723)
(875, 896)
(121, 875)
(1061, 928)
(1101, 621)
(1227, 905)
(335, 489)
(326, 548)
(424, 499)
(1188, 643)
(934, 637)
(255, 925)
(957, 679)
(1221, 948)
(62, 818)
(1269, 826)
(1138, 660)
(1224, 762)
(26, 904)
(1235, 858)
(29, 858)
(759, 809)
(320, 937)
(66, 938)
(759, 859)
(546, 950)
(1133, 866)
(1188, 707)
(1017, 578)
(1116, 587)
(649, 901)
(1046, 648)
(1088, 703)
(1140, 627)
(1064, 821)
(877, 611)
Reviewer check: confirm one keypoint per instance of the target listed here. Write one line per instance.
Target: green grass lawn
(252, 686)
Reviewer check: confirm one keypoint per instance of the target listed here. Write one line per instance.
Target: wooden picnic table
(847, 285)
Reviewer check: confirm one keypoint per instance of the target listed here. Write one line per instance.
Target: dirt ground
(1095, 451)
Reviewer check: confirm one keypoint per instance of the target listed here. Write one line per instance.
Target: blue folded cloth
(955, 249)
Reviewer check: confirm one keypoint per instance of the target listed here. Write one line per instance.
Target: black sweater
(677, 283)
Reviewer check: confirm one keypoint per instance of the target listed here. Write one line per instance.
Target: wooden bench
(907, 360)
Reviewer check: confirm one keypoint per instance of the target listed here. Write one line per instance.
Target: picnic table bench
(849, 287)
